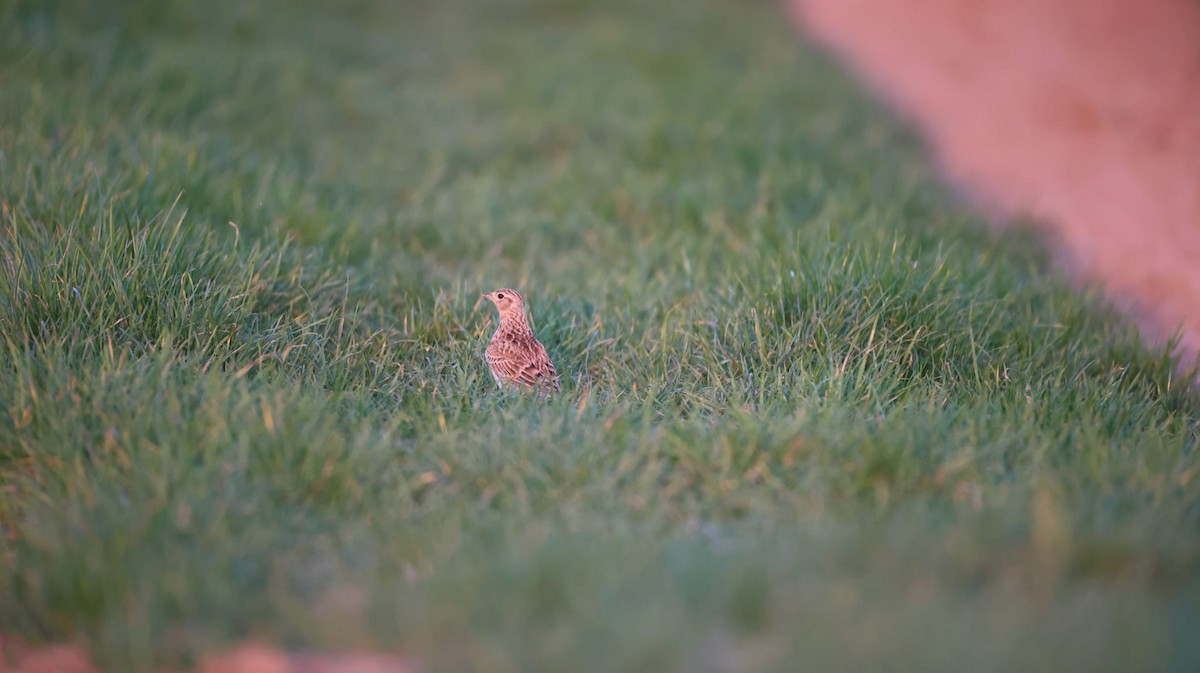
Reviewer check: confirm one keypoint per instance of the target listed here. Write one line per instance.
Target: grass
(814, 415)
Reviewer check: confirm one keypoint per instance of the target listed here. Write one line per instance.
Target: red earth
(249, 657)
(1081, 114)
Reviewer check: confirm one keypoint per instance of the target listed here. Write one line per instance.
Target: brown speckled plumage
(514, 355)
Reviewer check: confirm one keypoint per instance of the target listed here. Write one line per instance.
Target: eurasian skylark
(514, 355)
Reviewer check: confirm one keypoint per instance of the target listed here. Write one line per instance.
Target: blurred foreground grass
(814, 415)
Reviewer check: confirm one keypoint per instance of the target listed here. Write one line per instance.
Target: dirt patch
(15, 657)
(261, 658)
(1083, 114)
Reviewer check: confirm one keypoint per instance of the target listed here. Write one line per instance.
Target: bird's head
(508, 302)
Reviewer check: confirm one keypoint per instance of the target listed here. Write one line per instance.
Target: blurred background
(1081, 115)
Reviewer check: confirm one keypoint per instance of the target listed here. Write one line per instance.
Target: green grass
(815, 416)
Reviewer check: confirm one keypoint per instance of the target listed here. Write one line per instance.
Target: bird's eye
(500, 296)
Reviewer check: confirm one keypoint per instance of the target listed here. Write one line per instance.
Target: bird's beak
(486, 295)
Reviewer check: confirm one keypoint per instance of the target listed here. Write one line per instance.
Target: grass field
(815, 416)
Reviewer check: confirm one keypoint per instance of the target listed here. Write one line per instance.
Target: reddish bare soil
(16, 658)
(247, 658)
(259, 658)
(1083, 114)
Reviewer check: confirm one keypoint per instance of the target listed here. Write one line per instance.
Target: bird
(514, 356)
